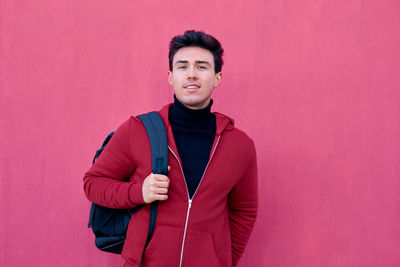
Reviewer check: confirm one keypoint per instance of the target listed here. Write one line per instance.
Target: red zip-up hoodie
(212, 228)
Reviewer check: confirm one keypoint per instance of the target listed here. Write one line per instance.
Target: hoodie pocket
(199, 250)
(164, 247)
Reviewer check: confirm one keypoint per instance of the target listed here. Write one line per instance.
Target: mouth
(191, 86)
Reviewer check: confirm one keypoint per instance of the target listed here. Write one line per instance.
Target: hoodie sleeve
(243, 205)
(107, 181)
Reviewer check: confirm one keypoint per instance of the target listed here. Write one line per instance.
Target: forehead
(193, 54)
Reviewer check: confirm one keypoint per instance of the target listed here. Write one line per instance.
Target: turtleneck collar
(197, 118)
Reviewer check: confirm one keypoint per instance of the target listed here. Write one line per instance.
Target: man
(208, 202)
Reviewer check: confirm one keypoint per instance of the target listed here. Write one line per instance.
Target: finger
(169, 168)
(162, 197)
(161, 178)
(161, 184)
(161, 191)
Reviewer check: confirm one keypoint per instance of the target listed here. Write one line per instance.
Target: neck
(180, 113)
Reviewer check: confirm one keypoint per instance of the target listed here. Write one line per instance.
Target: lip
(196, 85)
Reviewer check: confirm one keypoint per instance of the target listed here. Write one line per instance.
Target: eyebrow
(197, 62)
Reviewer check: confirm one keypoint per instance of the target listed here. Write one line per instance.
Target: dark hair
(197, 39)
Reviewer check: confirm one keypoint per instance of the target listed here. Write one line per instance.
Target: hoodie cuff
(136, 194)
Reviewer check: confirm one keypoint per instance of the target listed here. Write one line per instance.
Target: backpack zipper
(187, 191)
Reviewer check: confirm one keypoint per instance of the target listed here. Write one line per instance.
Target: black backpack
(110, 225)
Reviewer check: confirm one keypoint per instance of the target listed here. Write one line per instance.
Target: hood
(224, 123)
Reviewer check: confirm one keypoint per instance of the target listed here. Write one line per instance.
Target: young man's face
(193, 77)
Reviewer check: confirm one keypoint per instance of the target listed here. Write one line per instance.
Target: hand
(155, 187)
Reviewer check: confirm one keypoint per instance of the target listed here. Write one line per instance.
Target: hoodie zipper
(190, 199)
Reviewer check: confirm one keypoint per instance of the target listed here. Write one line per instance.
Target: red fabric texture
(223, 209)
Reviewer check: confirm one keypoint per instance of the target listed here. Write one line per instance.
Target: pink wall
(315, 83)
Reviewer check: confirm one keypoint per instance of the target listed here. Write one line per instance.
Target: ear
(218, 79)
(170, 77)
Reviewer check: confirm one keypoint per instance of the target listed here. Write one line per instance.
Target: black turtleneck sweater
(194, 132)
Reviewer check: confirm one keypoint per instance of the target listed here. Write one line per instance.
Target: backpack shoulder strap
(157, 134)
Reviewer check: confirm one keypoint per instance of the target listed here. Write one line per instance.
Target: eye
(202, 67)
(181, 67)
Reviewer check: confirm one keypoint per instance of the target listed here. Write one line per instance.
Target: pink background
(315, 83)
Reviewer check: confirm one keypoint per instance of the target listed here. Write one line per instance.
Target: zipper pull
(190, 203)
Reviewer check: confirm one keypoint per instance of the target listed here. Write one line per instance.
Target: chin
(198, 104)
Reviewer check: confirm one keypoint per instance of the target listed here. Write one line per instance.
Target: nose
(192, 73)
